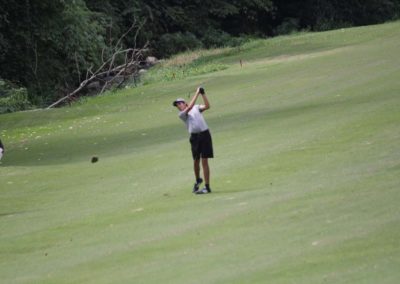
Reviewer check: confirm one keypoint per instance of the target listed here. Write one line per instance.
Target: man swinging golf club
(200, 137)
(1, 150)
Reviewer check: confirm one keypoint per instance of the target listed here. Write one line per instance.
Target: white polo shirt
(194, 120)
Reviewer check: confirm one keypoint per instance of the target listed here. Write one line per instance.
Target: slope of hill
(305, 178)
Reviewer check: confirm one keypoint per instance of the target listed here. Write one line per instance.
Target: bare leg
(196, 167)
(206, 170)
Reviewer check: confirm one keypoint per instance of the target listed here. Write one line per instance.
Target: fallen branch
(131, 65)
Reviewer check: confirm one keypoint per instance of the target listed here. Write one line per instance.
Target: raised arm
(192, 102)
(206, 103)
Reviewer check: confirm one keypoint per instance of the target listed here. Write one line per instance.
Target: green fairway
(306, 175)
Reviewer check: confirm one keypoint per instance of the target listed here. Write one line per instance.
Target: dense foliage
(13, 98)
(46, 46)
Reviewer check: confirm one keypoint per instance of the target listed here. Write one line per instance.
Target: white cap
(179, 100)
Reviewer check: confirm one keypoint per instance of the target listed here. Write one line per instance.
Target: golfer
(1, 150)
(200, 137)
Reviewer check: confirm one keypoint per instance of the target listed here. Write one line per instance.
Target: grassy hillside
(306, 176)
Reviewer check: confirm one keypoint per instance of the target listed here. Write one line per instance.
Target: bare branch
(89, 70)
(137, 32)
(104, 87)
(125, 34)
(132, 57)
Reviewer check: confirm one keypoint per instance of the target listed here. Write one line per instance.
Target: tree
(46, 46)
(47, 43)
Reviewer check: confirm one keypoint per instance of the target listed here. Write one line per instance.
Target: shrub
(13, 98)
(215, 38)
(170, 44)
(288, 26)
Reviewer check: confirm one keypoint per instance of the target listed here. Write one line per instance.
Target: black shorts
(201, 145)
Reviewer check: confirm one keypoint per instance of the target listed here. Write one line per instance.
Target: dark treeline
(46, 46)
